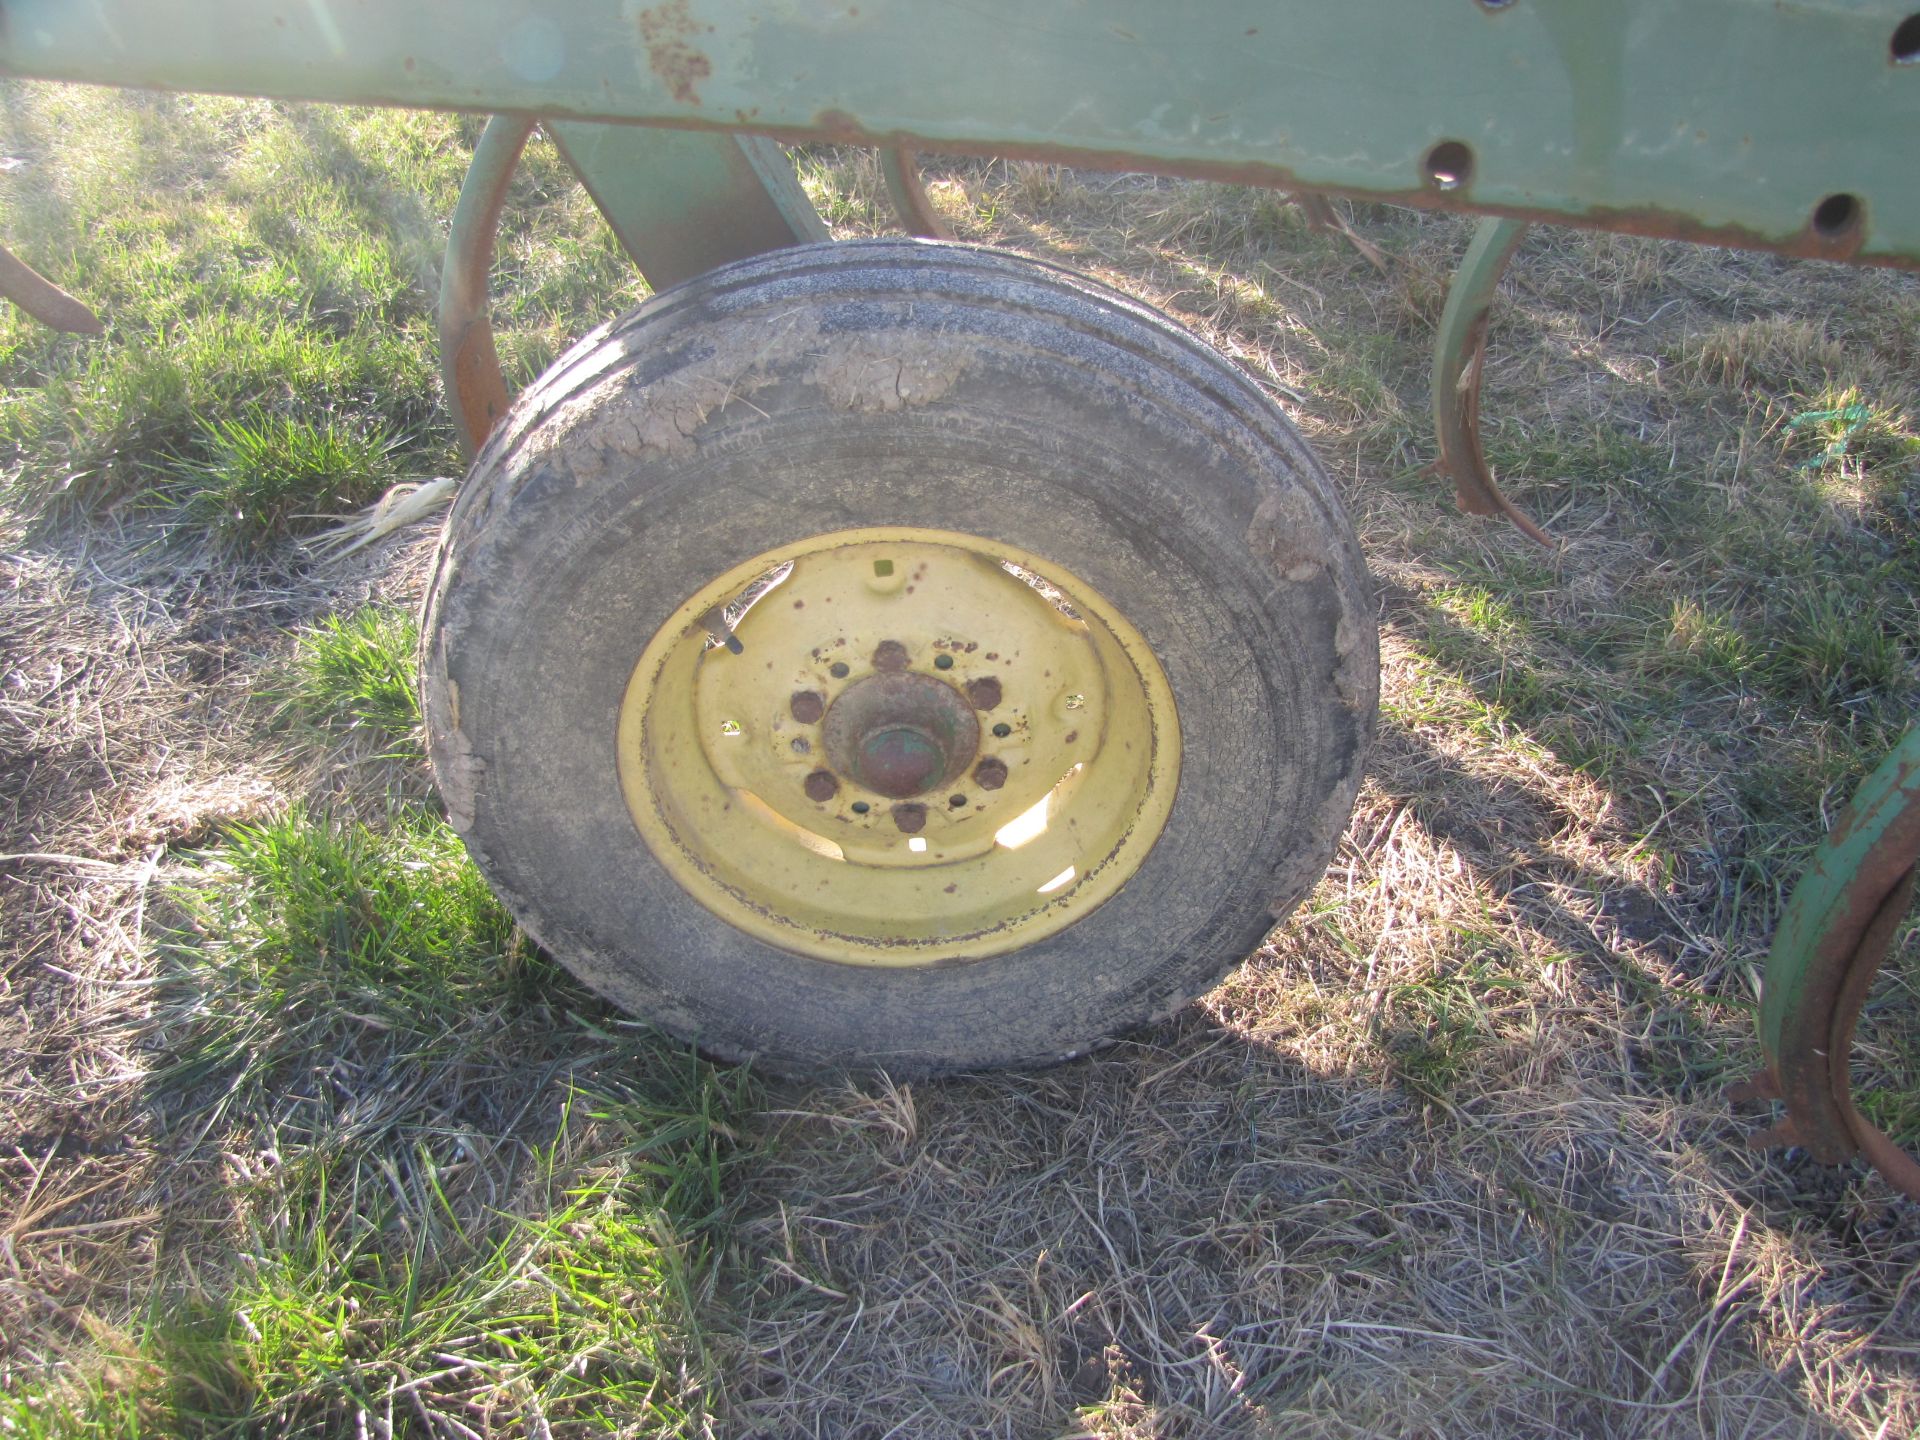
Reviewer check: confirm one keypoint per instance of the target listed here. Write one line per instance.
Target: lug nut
(984, 693)
(807, 706)
(821, 786)
(990, 773)
(911, 818)
(890, 655)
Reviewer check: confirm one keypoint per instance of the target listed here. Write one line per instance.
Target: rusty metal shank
(469, 363)
(1458, 362)
(44, 300)
(1899, 1168)
(910, 201)
(1830, 942)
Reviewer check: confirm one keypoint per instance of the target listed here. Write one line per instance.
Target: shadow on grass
(446, 1181)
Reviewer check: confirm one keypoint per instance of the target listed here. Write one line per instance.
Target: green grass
(579, 1313)
(344, 1005)
(268, 278)
(306, 934)
(268, 476)
(1701, 643)
(1434, 1028)
(410, 1133)
(357, 671)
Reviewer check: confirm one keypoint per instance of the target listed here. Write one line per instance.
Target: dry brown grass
(1448, 1157)
(128, 733)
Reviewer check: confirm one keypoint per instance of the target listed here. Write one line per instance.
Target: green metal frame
(1784, 124)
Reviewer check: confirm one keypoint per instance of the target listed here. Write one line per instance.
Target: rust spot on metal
(890, 656)
(990, 773)
(821, 786)
(480, 390)
(1785, 1133)
(1458, 367)
(667, 30)
(1475, 490)
(1810, 1070)
(807, 706)
(984, 693)
(911, 817)
(899, 760)
(1809, 244)
(840, 127)
(477, 391)
(1876, 940)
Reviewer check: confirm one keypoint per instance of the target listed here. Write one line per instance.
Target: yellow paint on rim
(725, 764)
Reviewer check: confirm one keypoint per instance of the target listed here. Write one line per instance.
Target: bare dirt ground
(1450, 1155)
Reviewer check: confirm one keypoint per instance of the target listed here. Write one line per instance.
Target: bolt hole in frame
(1905, 45)
(1448, 166)
(1838, 216)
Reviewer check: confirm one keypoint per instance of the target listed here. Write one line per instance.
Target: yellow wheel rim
(899, 747)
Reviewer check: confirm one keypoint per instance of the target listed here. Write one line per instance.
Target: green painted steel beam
(1737, 121)
(683, 201)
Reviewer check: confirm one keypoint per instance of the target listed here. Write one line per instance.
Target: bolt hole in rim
(859, 846)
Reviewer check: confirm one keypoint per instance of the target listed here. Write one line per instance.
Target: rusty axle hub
(900, 734)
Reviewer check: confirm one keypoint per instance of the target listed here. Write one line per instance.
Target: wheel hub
(898, 747)
(901, 735)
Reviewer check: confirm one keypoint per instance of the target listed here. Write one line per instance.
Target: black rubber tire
(876, 383)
